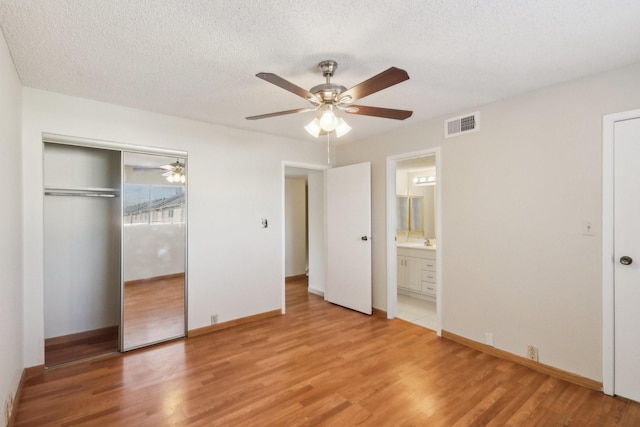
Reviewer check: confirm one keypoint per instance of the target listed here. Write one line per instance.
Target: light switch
(587, 228)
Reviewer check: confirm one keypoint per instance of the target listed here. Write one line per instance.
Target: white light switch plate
(587, 228)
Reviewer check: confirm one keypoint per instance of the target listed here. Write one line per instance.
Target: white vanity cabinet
(417, 272)
(410, 273)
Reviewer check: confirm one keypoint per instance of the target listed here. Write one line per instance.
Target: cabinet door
(401, 275)
(413, 272)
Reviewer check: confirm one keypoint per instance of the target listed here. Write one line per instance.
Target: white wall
(234, 265)
(81, 264)
(10, 228)
(514, 196)
(315, 215)
(295, 232)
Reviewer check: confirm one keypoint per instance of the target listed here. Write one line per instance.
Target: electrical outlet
(214, 319)
(532, 352)
(488, 338)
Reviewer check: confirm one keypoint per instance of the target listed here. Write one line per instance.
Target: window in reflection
(155, 204)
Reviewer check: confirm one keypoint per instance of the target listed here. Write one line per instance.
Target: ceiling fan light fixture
(313, 127)
(328, 119)
(176, 178)
(342, 129)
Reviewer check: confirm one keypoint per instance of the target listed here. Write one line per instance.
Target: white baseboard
(315, 291)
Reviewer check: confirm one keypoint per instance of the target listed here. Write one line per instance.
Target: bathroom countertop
(420, 246)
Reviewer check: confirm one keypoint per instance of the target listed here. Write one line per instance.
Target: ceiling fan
(174, 172)
(331, 97)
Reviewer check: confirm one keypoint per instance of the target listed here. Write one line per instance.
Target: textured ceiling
(198, 59)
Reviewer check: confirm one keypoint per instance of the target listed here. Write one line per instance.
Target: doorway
(414, 239)
(81, 252)
(620, 253)
(303, 252)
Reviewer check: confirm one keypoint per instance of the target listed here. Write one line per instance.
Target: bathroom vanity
(417, 270)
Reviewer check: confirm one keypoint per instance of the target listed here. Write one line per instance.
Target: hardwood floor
(317, 365)
(83, 345)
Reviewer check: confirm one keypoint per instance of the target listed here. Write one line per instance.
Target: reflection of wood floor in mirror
(153, 310)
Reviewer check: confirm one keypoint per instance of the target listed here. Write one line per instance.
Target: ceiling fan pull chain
(328, 150)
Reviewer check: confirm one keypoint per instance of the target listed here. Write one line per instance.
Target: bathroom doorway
(413, 236)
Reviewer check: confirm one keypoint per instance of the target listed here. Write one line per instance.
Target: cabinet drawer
(429, 264)
(429, 276)
(429, 288)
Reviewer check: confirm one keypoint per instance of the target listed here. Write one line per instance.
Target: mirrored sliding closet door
(153, 249)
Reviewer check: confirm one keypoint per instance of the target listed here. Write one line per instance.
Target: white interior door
(348, 207)
(627, 259)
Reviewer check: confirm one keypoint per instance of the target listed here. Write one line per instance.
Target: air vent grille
(465, 123)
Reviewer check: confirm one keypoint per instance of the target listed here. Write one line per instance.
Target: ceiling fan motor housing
(328, 92)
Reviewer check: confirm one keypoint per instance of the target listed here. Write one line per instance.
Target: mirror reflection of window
(154, 204)
(402, 213)
(416, 217)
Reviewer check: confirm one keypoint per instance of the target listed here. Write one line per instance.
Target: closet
(96, 254)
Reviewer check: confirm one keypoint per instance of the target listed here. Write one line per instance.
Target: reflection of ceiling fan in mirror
(174, 172)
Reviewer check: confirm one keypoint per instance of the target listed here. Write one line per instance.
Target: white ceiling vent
(460, 125)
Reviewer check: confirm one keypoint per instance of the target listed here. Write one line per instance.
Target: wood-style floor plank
(318, 365)
(83, 345)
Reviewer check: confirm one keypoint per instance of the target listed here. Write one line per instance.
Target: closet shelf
(82, 191)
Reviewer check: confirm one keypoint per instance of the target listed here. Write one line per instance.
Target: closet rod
(81, 191)
(83, 194)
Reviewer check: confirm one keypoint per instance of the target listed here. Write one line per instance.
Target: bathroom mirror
(154, 249)
(410, 215)
(402, 213)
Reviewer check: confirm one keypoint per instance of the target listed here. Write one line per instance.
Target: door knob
(365, 238)
(626, 260)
